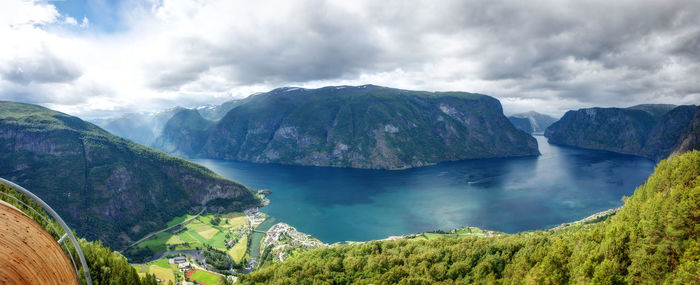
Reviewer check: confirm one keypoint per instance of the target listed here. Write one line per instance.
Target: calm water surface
(510, 195)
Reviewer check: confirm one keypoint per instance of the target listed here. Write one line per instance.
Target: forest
(655, 238)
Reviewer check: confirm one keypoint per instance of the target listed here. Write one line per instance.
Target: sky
(102, 58)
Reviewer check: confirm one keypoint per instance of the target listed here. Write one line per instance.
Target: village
(180, 253)
(284, 239)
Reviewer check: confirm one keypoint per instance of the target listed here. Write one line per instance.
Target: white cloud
(545, 55)
(70, 21)
(85, 22)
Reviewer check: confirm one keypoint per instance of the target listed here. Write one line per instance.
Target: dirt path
(160, 231)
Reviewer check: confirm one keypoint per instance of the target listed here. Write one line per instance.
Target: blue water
(510, 195)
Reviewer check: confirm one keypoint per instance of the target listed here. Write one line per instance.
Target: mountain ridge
(364, 126)
(650, 131)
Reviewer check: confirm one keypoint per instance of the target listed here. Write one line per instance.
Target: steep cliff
(364, 127)
(106, 187)
(651, 131)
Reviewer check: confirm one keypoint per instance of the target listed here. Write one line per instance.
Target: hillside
(651, 131)
(186, 123)
(105, 187)
(531, 122)
(652, 239)
(216, 112)
(363, 127)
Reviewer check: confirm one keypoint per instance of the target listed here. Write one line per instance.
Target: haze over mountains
(531, 122)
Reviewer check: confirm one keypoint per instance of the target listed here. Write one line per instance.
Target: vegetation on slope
(653, 131)
(184, 123)
(105, 187)
(655, 238)
(355, 126)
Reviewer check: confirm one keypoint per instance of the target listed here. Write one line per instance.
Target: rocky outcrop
(105, 187)
(362, 127)
(644, 130)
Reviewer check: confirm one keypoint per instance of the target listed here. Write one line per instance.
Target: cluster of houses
(284, 238)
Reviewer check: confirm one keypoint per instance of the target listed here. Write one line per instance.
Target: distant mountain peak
(531, 121)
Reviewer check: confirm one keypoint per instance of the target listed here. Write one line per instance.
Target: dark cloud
(317, 43)
(580, 53)
(43, 68)
(562, 46)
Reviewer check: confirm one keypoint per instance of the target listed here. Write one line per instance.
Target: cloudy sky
(101, 58)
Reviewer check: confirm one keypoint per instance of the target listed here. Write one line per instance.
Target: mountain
(363, 127)
(105, 187)
(184, 123)
(656, 110)
(651, 131)
(216, 112)
(653, 239)
(145, 128)
(532, 122)
(142, 128)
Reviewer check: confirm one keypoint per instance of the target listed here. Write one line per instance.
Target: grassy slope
(655, 238)
(106, 187)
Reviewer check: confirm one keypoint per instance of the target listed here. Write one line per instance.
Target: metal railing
(67, 233)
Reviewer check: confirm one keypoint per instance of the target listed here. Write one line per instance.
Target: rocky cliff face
(646, 130)
(363, 127)
(105, 187)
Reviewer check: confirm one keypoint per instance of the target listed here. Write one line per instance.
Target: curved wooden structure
(28, 254)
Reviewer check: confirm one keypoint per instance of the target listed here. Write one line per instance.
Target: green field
(179, 219)
(160, 268)
(199, 232)
(463, 232)
(238, 251)
(205, 277)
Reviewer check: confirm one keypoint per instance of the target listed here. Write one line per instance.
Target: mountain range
(351, 126)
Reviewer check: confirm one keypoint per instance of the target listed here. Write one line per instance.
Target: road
(165, 229)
